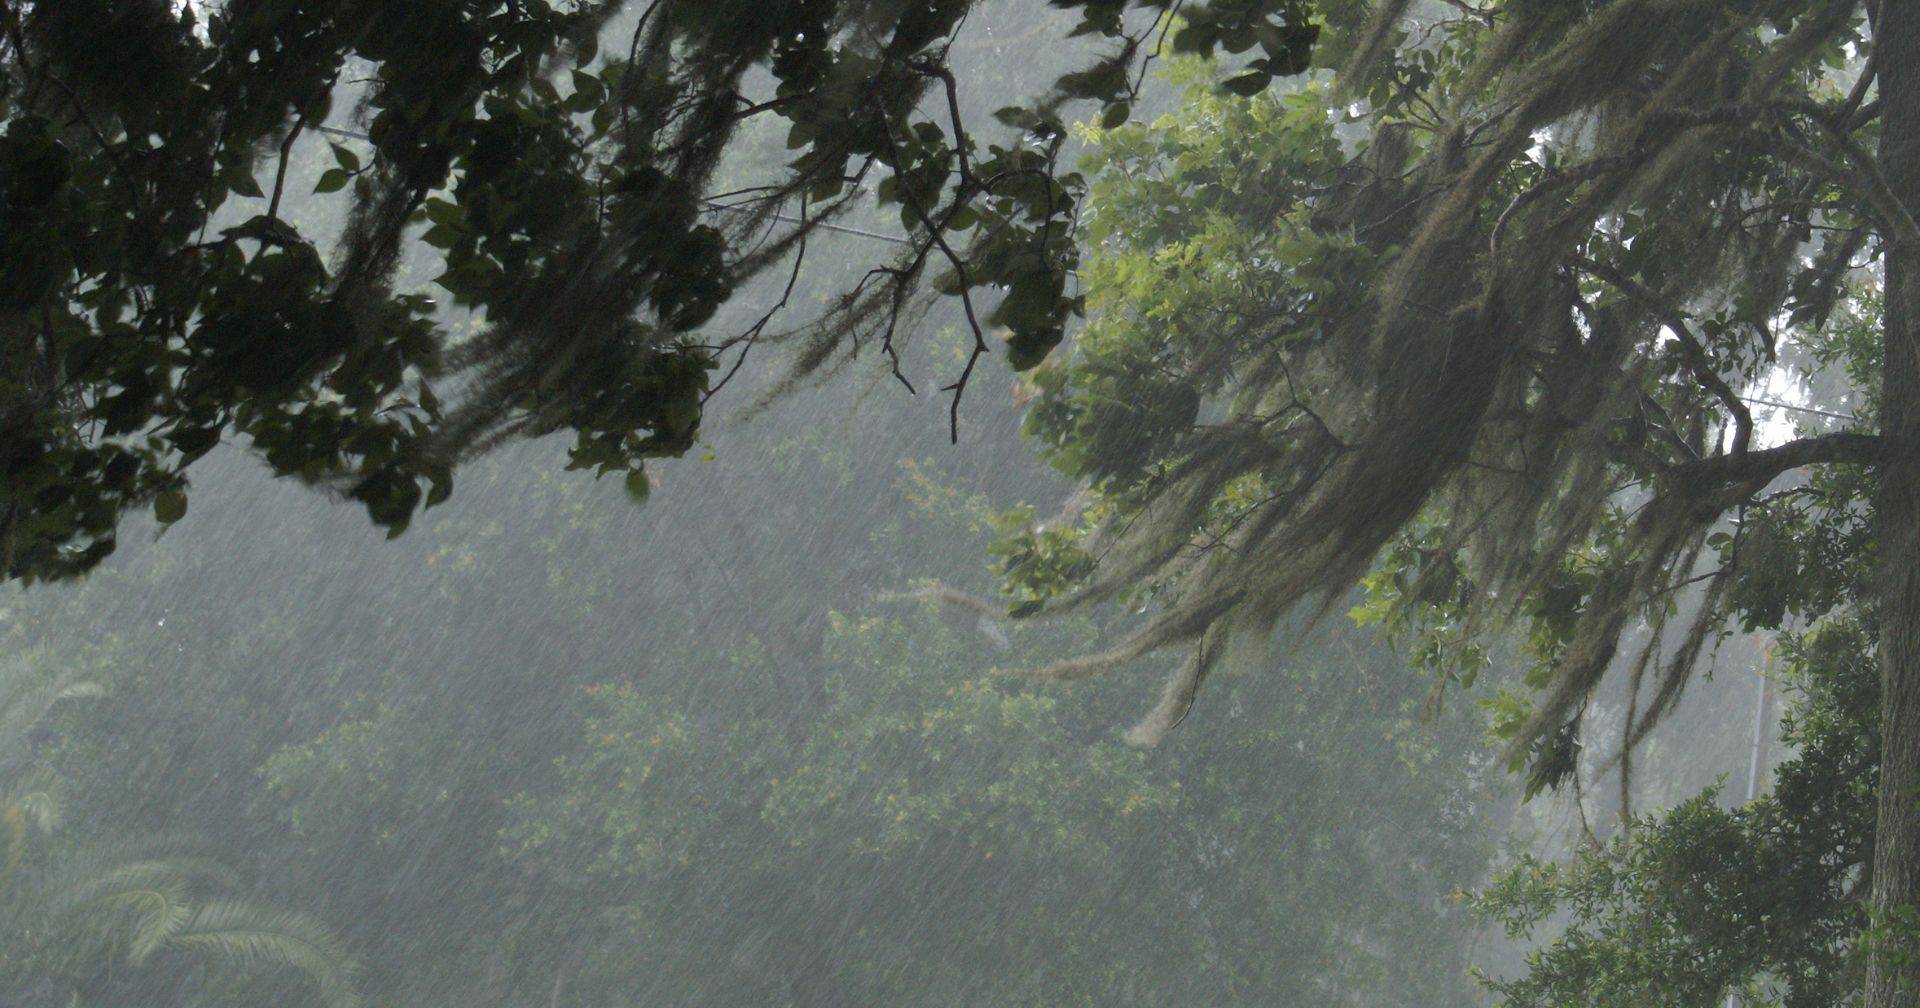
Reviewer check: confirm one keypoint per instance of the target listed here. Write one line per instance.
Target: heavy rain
(870, 503)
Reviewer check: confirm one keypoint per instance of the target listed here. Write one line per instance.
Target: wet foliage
(1403, 385)
(557, 159)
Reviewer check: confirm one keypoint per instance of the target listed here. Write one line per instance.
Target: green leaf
(1016, 117)
(1247, 85)
(331, 180)
(440, 236)
(446, 212)
(587, 84)
(348, 160)
(241, 181)
(1295, 49)
(170, 507)
(637, 486)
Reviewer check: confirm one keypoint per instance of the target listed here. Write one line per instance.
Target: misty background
(557, 746)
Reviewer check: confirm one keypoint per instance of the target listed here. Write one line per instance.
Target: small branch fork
(968, 186)
(1696, 356)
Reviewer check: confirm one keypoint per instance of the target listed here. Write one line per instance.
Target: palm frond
(27, 701)
(253, 936)
(43, 808)
(156, 912)
(82, 690)
(131, 876)
(13, 838)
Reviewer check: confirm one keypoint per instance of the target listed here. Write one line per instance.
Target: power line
(1797, 409)
(784, 218)
(337, 131)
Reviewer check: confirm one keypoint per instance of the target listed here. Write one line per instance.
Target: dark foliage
(156, 297)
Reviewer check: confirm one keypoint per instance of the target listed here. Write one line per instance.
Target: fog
(552, 746)
(729, 746)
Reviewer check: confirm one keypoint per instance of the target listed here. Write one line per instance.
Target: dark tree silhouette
(155, 297)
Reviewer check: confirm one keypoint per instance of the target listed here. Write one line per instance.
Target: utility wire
(1797, 409)
(875, 235)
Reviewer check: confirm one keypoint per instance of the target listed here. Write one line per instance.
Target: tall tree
(1506, 347)
(1895, 978)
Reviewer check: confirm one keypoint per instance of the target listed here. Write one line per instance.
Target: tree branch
(1764, 464)
(1697, 360)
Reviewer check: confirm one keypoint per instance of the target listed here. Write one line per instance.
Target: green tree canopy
(1487, 306)
(538, 771)
(1767, 899)
(157, 295)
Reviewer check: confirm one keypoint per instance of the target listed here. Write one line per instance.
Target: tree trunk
(1896, 855)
